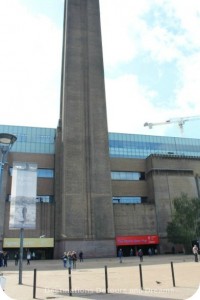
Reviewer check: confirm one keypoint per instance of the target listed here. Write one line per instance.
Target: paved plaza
(89, 280)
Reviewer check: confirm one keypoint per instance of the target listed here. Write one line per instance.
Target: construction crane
(180, 121)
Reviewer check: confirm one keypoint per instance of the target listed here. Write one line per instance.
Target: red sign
(137, 240)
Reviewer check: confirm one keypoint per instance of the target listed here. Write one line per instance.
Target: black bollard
(70, 282)
(34, 284)
(106, 279)
(173, 277)
(141, 280)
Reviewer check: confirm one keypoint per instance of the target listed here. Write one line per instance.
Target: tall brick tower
(84, 211)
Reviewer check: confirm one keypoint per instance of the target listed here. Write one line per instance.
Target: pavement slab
(105, 278)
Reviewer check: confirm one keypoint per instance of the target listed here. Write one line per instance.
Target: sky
(151, 51)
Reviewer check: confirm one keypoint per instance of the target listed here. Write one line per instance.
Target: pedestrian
(74, 259)
(69, 259)
(5, 258)
(149, 251)
(16, 257)
(28, 257)
(1, 258)
(131, 252)
(33, 255)
(81, 256)
(140, 254)
(195, 251)
(120, 255)
(64, 258)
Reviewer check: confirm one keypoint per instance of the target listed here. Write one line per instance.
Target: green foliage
(185, 224)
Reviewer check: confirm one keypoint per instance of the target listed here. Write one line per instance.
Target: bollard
(106, 279)
(34, 284)
(173, 277)
(70, 282)
(141, 280)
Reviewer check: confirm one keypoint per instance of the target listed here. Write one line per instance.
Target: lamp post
(6, 142)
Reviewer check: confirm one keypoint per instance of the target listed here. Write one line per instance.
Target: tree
(185, 224)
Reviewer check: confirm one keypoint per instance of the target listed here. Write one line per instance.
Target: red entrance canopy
(137, 240)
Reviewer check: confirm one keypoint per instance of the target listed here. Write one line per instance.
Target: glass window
(141, 146)
(127, 200)
(124, 175)
(44, 199)
(39, 199)
(41, 173)
(45, 173)
(31, 139)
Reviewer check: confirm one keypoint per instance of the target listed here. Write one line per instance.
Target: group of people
(69, 259)
(139, 254)
(3, 258)
(29, 256)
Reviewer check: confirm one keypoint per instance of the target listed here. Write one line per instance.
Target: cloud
(151, 56)
(166, 35)
(118, 21)
(30, 58)
(128, 107)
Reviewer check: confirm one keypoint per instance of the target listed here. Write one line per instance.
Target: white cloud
(128, 107)
(170, 34)
(164, 31)
(118, 20)
(30, 66)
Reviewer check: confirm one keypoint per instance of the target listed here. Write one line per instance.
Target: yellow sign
(29, 243)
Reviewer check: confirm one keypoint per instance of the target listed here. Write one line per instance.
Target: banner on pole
(23, 196)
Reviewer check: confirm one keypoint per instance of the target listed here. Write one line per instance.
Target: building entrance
(131, 244)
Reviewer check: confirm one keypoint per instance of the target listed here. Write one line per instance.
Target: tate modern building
(96, 191)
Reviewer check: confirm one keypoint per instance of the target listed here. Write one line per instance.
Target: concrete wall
(135, 219)
(168, 178)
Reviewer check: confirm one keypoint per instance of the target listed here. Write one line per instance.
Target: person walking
(16, 257)
(195, 251)
(140, 254)
(81, 256)
(74, 259)
(131, 252)
(28, 257)
(1, 258)
(64, 258)
(5, 258)
(120, 255)
(69, 260)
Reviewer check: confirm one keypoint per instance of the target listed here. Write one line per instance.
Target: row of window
(41, 173)
(141, 146)
(115, 175)
(129, 200)
(45, 199)
(42, 140)
(115, 200)
(118, 175)
(31, 139)
(40, 199)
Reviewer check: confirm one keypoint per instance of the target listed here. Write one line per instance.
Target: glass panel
(41, 173)
(126, 200)
(122, 175)
(141, 146)
(45, 173)
(39, 199)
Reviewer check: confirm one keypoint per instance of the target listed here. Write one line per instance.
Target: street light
(6, 142)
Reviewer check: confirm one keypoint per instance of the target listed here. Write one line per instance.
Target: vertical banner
(23, 196)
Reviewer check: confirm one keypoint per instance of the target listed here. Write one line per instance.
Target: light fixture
(6, 142)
